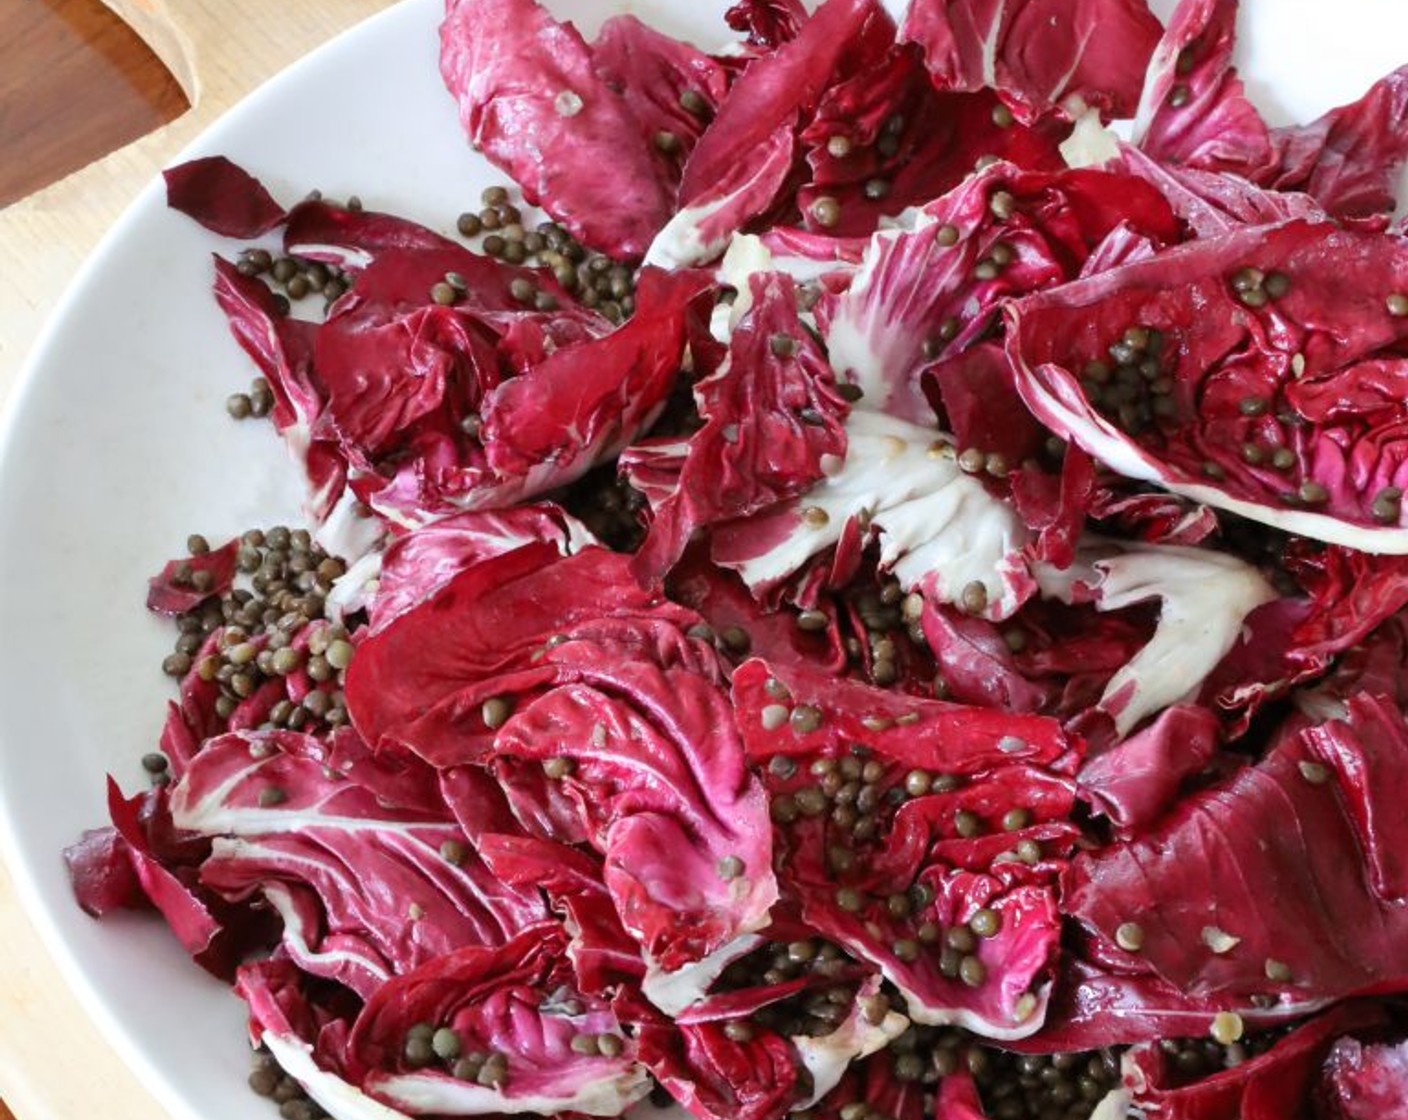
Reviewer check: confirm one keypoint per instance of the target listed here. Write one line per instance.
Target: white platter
(117, 446)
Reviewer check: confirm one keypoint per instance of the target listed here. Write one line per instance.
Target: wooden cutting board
(54, 1063)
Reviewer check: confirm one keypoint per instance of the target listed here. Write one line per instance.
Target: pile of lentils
(280, 592)
(1131, 389)
(1064, 1086)
(267, 1079)
(593, 278)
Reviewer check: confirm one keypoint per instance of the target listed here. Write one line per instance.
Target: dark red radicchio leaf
(352, 239)
(1275, 1084)
(1139, 780)
(726, 604)
(981, 408)
(672, 88)
(1289, 877)
(1349, 159)
(1314, 375)
(658, 776)
(304, 1023)
(515, 999)
(1344, 597)
(604, 393)
(718, 1078)
(422, 678)
(426, 400)
(531, 99)
(771, 415)
(165, 865)
(359, 881)
(1038, 54)
(1364, 1081)
(222, 197)
(416, 565)
(925, 765)
(184, 583)
(767, 23)
(1066, 658)
(99, 866)
(1210, 203)
(391, 357)
(603, 954)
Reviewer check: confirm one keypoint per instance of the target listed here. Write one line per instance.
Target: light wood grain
(54, 1064)
(218, 50)
(75, 83)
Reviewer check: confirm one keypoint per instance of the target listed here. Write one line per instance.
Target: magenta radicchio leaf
(772, 414)
(659, 779)
(1345, 596)
(185, 583)
(768, 95)
(888, 124)
(1254, 408)
(718, 1078)
(304, 1023)
(426, 400)
(516, 1000)
(1039, 54)
(603, 954)
(1139, 780)
(1271, 1085)
(1215, 202)
(942, 762)
(222, 197)
(143, 860)
(531, 98)
(1066, 658)
(360, 883)
(615, 703)
(767, 23)
(925, 289)
(1194, 111)
(282, 350)
(1279, 918)
(417, 565)
(1195, 114)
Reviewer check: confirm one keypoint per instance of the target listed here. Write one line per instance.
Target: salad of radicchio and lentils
(889, 603)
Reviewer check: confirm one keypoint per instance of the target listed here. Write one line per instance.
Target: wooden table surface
(76, 83)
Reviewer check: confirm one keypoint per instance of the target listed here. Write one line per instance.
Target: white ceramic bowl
(117, 446)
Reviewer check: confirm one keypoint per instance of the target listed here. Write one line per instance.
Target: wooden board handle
(217, 50)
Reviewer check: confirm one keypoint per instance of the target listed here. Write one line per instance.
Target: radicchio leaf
(977, 763)
(1040, 54)
(528, 85)
(222, 197)
(1298, 893)
(360, 883)
(772, 415)
(1239, 370)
